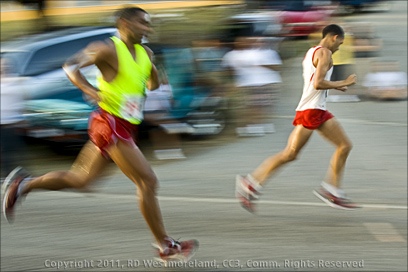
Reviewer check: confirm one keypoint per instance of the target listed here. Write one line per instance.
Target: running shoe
(334, 201)
(177, 250)
(246, 192)
(10, 192)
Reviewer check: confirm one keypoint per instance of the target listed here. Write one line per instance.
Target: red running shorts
(312, 118)
(105, 129)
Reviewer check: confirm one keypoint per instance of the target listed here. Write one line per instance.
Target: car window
(15, 61)
(53, 57)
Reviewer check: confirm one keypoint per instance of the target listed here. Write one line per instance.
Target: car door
(44, 76)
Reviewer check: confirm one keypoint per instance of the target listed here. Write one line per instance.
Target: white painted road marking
(224, 200)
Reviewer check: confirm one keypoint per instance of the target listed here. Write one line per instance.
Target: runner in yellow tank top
(126, 69)
(124, 95)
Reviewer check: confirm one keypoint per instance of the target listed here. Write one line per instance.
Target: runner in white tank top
(312, 98)
(311, 115)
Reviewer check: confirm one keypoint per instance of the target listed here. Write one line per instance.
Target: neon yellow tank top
(124, 96)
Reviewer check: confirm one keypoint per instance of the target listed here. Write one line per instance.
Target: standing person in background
(167, 144)
(208, 56)
(268, 80)
(343, 60)
(311, 115)
(254, 70)
(126, 70)
(42, 22)
(40, 5)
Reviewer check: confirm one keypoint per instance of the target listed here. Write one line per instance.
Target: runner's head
(334, 35)
(333, 30)
(133, 23)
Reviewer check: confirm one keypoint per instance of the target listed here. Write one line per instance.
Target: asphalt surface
(103, 230)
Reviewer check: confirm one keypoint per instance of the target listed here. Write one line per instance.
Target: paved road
(292, 230)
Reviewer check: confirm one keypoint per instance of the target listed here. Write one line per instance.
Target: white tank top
(312, 98)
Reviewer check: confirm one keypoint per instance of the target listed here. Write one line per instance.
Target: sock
(254, 182)
(22, 184)
(333, 190)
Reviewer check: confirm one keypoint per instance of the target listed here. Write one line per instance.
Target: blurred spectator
(254, 69)
(366, 43)
(386, 81)
(40, 5)
(11, 121)
(165, 134)
(208, 56)
(343, 59)
(160, 100)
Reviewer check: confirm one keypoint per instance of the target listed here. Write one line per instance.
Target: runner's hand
(351, 79)
(343, 89)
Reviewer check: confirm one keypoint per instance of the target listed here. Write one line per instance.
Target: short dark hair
(127, 13)
(333, 30)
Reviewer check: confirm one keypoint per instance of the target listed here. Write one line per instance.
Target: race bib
(132, 107)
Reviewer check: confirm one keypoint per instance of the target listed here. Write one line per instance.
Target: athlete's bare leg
(334, 133)
(89, 164)
(297, 139)
(134, 165)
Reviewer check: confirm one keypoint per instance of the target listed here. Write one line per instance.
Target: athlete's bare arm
(97, 53)
(154, 81)
(323, 62)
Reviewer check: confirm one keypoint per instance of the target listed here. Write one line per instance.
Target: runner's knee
(346, 148)
(153, 184)
(78, 181)
(290, 155)
(150, 183)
